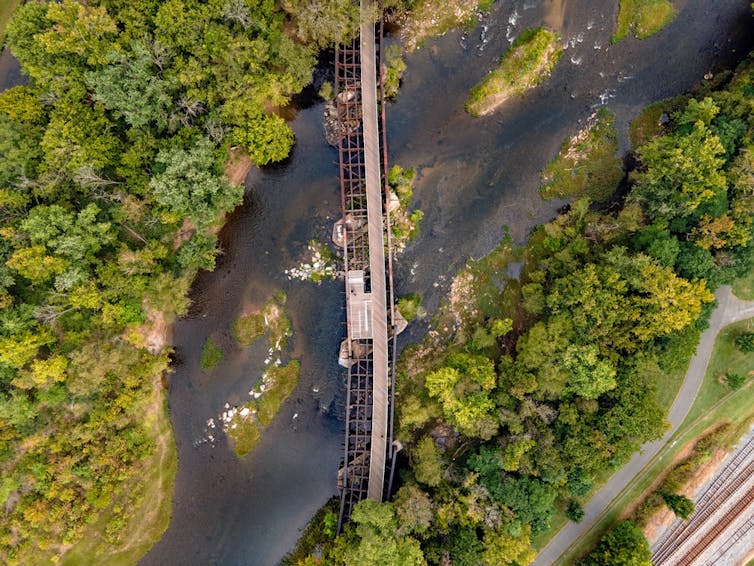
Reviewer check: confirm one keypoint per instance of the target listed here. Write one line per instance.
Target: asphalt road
(729, 309)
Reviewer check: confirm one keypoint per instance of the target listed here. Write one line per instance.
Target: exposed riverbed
(475, 176)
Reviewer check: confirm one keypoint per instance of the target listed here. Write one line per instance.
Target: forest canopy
(112, 191)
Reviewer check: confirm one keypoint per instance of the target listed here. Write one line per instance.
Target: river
(475, 177)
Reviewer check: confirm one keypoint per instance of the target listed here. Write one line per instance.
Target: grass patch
(528, 62)
(726, 358)
(248, 421)
(716, 404)
(248, 328)
(7, 7)
(643, 18)
(743, 287)
(646, 126)
(587, 163)
(211, 355)
(272, 319)
(409, 306)
(139, 517)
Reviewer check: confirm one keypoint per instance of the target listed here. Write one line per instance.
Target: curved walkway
(729, 309)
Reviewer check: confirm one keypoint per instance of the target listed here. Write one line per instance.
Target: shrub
(735, 380)
(211, 355)
(681, 505)
(745, 342)
(575, 511)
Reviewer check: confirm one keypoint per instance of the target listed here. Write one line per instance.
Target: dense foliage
(624, 545)
(514, 414)
(111, 189)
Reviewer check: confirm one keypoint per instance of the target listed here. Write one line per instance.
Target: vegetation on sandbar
(245, 424)
(321, 530)
(528, 62)
(395, 66)
(272, 319)
(654, 120)
(587, 164)
(404, 225)
(425, 19)
(643, 17)
(211, 355)
(323, 265)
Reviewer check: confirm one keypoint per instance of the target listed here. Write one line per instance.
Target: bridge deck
(362, 234)
(373, 177)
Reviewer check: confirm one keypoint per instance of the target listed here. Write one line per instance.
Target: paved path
(729, 309)
(378, 448)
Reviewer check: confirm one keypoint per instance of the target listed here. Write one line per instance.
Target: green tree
(574, 511)
(427, 463)
(413, 510)
(745, 342)
(326, 23)
(682, 172)
(186, 184)
(78, 136)
(78, 30)
(36, 265)
(624, 545)
(680, 505)
(75, 236)
(266, 137)
(375, 541)
(735, 380)
(133, 89)
(502, 548)
(590, 375)
(463, 390)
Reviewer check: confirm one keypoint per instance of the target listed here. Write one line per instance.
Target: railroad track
(741, 467)
(731, 541)
(731, 515)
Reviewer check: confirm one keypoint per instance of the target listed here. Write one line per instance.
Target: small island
(528, 62)
(643, 17)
